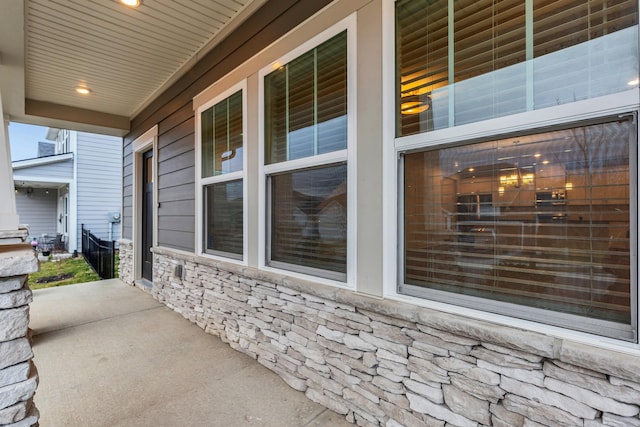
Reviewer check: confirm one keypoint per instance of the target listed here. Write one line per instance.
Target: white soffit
(125, 56)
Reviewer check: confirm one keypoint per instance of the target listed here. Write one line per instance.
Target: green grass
(77, 270)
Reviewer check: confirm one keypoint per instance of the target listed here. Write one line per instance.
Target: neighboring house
(75, 182)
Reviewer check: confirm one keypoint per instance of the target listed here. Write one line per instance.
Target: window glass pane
(477, 61)
(275, 92)
(332, 95)
(583, 49)
(309, 218)
(221, 130)
(489, 54)
(224, 218)
(423, 69)
(540, 220)
(301, 76)
(306, 104)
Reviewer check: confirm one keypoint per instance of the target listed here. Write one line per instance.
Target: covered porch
(110, 355)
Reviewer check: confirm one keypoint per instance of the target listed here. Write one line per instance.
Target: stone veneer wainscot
(380, 362)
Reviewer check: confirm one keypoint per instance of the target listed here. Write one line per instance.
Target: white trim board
(148, 140)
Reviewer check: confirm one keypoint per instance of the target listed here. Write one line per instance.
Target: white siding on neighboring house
(99, 183)
(61, 171)
(37, 209)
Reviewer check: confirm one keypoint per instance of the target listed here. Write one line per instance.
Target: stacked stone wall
(385, 363)
(18, 376)
(125, 264)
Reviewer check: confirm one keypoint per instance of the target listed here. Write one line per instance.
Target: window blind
(224, 217)
(540, 220)
(468, 64)
(306, 104)
(309, 218)
(221, 135)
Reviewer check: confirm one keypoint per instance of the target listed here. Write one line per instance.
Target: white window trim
(148, 140)
(349, 155)
(567, 113)
(202, 182)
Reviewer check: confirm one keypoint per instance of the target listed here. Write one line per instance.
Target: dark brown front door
(147, 215)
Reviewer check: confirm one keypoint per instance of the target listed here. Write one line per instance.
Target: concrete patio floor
(109, 355)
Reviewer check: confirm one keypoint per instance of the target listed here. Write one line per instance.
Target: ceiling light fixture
(131, 3)
(634, 82)
(83, 90)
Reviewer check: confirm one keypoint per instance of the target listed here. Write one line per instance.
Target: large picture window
(538, 225)
(305, 157)
(482, 59)
(221, 177)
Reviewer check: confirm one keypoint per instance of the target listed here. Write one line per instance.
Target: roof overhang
(47, 49)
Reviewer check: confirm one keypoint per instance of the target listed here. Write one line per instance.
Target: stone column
(18, 376)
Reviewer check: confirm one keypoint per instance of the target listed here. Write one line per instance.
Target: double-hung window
(516, 134)
(306, 142)
(221, 179)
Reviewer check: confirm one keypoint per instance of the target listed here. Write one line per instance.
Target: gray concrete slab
(109, 355)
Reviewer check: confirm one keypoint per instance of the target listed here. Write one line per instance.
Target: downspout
(73, 195)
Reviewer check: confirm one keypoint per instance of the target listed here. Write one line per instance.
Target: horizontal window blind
(540, 220)
(309, 218)
(221, 133)
(466, 64)
(224, 218)
(306, 104)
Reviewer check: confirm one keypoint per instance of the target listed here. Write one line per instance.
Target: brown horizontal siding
(176, 193)
(176, 239)
(176, 148)
(127, 190)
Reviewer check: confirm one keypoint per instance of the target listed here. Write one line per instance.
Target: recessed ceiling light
(633, 82)
(131, 3)
(83, 90)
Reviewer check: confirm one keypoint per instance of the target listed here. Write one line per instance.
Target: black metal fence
(100, 254)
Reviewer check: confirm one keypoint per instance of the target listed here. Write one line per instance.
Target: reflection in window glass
(224, 217)
(309, 219)
(539, 220)
(488, 65)
(221, 128)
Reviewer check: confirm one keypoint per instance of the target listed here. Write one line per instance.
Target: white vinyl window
(516, 143)
(306, 149)
(221, 131)
(466, 61)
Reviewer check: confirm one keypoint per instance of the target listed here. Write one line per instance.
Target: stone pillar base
(18, 376)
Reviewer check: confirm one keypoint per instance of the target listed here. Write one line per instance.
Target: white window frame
(347, 155)
(593, 108)
(201, 182)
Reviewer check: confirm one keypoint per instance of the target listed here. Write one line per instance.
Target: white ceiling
(125, 56)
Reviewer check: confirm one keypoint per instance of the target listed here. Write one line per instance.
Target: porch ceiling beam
(78, 118)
